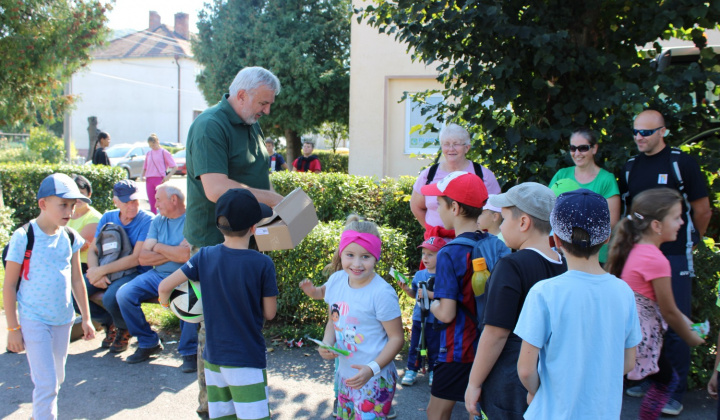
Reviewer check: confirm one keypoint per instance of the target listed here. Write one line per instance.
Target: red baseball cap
(463, 187)
(433, 243)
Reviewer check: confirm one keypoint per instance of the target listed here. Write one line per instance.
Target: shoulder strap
(431, 173)
(25, 268)
(478, 170)
(626, 195)
(70, 235)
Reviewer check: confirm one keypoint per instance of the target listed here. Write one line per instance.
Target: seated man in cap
(136, 223)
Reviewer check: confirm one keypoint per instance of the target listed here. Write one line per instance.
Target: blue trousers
(132, 295)
(432, 341)
(677, 351)
(111, 312)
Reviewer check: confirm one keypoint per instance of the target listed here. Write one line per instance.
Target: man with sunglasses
(658, 165)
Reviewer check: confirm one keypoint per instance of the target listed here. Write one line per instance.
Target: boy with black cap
(493, 381)
(591, 316)
(239, 292)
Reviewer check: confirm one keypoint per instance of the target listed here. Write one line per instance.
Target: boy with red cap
(430, 248)
(461, 197)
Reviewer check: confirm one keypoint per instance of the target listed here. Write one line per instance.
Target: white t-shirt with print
(357, 316)
(47, 295)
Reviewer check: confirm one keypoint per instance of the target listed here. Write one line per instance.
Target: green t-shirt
(220, 142)
(604, 184)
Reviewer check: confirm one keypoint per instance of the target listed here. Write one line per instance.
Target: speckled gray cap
(582, 209)
(532, 198)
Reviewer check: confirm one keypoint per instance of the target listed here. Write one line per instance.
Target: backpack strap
(689, 227)
(433, 170)
(478, 170)
(28, 252)
(70, 235)
(626, 195)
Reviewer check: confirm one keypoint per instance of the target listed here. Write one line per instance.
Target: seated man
(166, 250)
(307, 162)
(136, 223)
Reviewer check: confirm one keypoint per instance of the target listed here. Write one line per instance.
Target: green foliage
(6, 223)
(305, 43)
(16, 152)
(308, 259)
(43, 43)
(332, 162)
(335, 196)
(50, 148)
(523, 75)
(20, 183)
(335, 132)
(705, 296)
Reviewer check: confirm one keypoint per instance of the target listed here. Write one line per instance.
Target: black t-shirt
(656, 171)
(100, 157)
(508, 285)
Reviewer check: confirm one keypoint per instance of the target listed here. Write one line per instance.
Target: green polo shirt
(220, 142)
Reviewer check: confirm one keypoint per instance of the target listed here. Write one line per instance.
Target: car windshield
(179, 154)
(116, 152)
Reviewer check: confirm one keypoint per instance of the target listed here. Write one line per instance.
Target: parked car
(129, 156)
(179, 158)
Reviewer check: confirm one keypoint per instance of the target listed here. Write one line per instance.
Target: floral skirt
(653, 328)
(372, 401)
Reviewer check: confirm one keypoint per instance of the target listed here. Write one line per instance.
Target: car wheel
(127, 173)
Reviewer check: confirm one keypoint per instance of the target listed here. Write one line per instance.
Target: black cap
(241, 209)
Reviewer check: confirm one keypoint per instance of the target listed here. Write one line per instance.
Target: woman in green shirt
(587, 173)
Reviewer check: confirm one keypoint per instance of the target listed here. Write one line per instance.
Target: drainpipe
(177, 61)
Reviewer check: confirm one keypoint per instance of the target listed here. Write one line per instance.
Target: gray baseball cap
(532, 198)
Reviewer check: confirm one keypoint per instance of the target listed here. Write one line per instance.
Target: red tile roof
(161, 42)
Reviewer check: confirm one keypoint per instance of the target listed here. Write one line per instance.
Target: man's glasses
(583, 148)
(646, 133)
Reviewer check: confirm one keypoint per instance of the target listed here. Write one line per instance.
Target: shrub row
(332, 162)
(20, 183)
(386, 202)
(309, 258)
(705, 295)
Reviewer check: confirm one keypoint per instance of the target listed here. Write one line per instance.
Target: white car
(129, 156)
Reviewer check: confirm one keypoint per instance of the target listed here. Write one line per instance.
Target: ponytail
(626, 235)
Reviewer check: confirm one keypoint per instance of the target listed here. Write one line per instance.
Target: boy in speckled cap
(591, 316)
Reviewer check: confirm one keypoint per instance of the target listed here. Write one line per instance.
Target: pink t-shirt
(157, 162)
(432, 217)
(645, 264)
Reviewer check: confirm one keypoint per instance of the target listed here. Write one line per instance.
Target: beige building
(382, 142)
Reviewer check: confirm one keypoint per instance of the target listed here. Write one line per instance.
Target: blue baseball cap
(126, 190)
(241, 209)
(583, 209)
(62, 186)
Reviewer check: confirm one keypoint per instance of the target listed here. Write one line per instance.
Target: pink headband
(366, 240)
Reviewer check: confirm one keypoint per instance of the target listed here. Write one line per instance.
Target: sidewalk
(99, 385)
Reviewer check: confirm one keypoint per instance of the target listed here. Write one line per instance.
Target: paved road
(99, 385)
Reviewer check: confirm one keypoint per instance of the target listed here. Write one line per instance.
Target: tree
(523, 74)
(304, 42)
(335, 133)
(42, 43)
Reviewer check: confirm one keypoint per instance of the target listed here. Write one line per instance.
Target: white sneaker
(409, 378)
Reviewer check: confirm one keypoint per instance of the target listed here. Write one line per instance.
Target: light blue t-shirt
(421, 275)
(46, 296)
(582, 324)
(169, 232)
(136, 230)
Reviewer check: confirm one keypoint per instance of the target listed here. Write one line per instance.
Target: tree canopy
(522, 75)
(305, 43)
(42, 43)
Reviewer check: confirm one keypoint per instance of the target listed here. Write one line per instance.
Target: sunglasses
(646, 133)
(583, 148)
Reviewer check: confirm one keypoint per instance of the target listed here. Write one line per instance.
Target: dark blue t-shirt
(233, 284)
(279, 162)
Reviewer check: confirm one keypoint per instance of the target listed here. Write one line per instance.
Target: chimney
(181, 25)
(154, 21)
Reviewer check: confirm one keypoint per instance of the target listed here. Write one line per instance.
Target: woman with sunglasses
(587, 173)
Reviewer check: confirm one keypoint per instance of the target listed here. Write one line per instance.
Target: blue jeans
(111, 312)
(677, 351)
(132, 295)
(432, 343)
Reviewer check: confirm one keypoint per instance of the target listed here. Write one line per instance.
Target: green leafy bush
(20, 183)
(332, 162)
(705, 294)
(6, 224)
(308, 259)
(45, 144)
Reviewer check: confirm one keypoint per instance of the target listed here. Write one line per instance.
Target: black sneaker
(189, 364)
(120, 344)
(143, 354)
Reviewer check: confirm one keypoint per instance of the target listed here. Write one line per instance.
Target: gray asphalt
(100, 385)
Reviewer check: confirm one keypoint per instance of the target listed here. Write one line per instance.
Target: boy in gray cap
(494, 382)
(590, 314)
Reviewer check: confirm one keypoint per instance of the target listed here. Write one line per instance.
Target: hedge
(332, 162)
(20, 182)
(308, 259)
(705, 294)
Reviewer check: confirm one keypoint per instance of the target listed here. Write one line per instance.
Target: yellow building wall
(381, 70)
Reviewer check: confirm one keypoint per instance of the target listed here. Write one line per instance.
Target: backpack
(113, 243)
(25, 268)
(304, 162)
(492, 249)
(433, 170)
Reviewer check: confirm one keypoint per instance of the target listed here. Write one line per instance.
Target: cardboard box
(293, 218)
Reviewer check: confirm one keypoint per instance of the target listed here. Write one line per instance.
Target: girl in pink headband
(364, 324)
